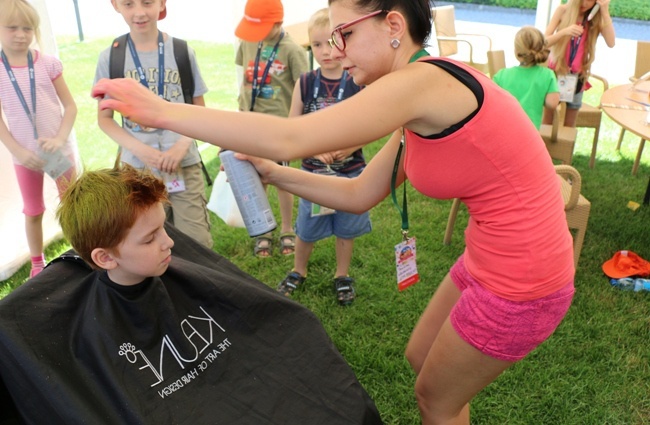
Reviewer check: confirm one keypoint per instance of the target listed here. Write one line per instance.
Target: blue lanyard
(575, 43)
(32, 85)
(161, 64)
(342, 83)
(257, 86)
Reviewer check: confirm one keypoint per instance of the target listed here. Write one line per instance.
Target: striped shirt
(49, 111)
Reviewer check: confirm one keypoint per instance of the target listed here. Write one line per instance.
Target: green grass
(593, 370)
(630, 9)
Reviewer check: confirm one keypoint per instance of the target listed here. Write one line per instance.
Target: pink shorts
(30, 183)
(504, 329)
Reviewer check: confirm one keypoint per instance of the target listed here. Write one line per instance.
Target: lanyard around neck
(342, 83)
(142, 75)
(32, 85)
(404, 210)
(574, 43)
(257, 85)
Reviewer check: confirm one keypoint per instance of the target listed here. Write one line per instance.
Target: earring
(395, 43)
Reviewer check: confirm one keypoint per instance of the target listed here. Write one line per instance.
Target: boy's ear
(396, 24)
(114, 3)
(103, 259)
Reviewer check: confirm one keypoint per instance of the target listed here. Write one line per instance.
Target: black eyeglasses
(338, 40)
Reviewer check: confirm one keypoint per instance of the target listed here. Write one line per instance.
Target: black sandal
(290, 283)
(345, 293)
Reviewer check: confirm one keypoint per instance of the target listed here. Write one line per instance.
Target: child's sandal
(345, 293)
(290, 283)
(288, 243)
(262, 247)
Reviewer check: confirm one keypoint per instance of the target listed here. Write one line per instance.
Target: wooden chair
(496, 60)
(559, 140)
(590, 116)
(444, 21)
(642, 66)
(576, 208)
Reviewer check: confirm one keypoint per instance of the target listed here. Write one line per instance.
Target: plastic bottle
(630, 284)
(249, 194)
(641, 285)
(624, 283)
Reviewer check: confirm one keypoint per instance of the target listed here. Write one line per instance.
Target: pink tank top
(518, 245)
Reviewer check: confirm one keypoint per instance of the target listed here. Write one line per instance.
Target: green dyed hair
(99, 208)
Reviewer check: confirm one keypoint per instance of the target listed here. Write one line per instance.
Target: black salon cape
(203, 344)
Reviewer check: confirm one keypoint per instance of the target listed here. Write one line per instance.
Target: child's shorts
(577, 101)
(504, 329)
(30, 183)
(341, 224)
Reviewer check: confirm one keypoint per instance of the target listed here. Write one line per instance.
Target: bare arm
(150, 156)
(552, 100)
(26, 157)
(354, 195)
(554, 36)
(68, 119)
(607, 30)
(379, 109)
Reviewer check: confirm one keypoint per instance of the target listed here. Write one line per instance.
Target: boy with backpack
(160, 63)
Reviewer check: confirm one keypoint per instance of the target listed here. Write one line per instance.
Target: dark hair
(416, 12)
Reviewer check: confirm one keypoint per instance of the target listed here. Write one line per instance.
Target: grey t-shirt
(157, 138)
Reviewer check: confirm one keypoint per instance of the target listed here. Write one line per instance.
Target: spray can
(249, 194)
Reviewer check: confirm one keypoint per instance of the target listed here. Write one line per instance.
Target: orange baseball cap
(259, 18)
(625, 264)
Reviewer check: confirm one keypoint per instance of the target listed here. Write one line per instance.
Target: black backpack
(182, 58)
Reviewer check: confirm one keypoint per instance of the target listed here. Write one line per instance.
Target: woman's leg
(430, 322)
(452, 374)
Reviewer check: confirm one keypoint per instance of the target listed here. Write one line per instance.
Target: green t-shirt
(529, 85)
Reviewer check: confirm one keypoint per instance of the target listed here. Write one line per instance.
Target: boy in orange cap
(272, 64)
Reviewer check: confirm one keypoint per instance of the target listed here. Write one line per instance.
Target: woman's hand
(131, 99)
(265, 167)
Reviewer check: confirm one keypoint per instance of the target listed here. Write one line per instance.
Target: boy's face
(146, 250)
(140, 15)
(321, 49)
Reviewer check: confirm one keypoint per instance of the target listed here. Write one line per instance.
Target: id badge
(407, 269)
(567, 84)
(319, 210)
(56, 164)
(174, 181)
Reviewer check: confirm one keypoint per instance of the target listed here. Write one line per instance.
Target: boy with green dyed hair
(114, 219)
